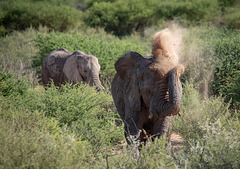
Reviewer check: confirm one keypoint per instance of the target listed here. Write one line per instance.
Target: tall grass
(209, 130)
(17, 51)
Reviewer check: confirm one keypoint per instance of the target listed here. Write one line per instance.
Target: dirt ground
(176, 140)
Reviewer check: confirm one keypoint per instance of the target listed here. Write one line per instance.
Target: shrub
(211, 57)
(137, 15)
(210, 135)
(87, 111)
(224, 3)
(232, 19)
(10, 85)
(132, 16)
(24, 145)
(188, 11)
(19, 15)
(82, 109)
(153, 155)
(17, 51)
(227, 72)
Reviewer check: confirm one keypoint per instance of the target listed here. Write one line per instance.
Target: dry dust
(168, 43)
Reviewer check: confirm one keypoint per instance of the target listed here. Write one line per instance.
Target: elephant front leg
(161, 127)
(132, 131)
(132, 135)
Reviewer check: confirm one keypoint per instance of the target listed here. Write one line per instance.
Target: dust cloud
(186, 47)
(168, 44)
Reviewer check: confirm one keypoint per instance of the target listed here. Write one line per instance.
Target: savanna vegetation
(77, 127)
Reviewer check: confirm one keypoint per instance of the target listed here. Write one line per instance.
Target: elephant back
(53, 64)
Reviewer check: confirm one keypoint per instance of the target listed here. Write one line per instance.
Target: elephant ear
(126, 67)
(71, 69)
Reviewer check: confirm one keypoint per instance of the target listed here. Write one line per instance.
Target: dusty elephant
(147, 90)
(62, 66)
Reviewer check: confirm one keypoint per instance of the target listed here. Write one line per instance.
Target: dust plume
(189, 48)
(167, 44)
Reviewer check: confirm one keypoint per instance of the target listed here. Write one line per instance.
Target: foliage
(106, 51)
(10, 85)
(210, 134)
(136, 15)
(232, 17)
(17, 51)
(153, 155)
(211, 57)
(19, 15)
(24, 145)
(81, 108)
(132, 16)
(228, 70)
(224, 3)
(187, 11)
(235, 92)
(34, 134)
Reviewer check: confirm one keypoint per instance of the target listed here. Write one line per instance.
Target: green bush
(153, 155)
(17, 51)
(211, 57)
(137, 15)
(232, 19)
(106, 51)
(224, 3)
(227, 50)
(191, 12)
(19, 15)
(86, 110)
(209, 132)
(132, 16)
(25, 145)
(11, 85)
(81, 108)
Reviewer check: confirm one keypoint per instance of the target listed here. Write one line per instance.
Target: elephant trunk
(171, 105)
(94, 80)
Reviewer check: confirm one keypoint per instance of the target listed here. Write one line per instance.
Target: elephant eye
(85, 70)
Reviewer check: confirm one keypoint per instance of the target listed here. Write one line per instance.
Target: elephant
(147, 90)
(62, 66)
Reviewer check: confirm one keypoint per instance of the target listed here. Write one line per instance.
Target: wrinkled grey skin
(63, 66)
(146, 95)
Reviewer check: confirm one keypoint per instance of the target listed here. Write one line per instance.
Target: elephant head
(80, 67)
(149, 82)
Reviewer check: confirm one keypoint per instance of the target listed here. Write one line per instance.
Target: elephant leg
(161, 127)
(132, 132)
(132, 135)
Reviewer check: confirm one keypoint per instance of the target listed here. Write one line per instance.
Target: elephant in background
(147, 91)
(63, 66)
